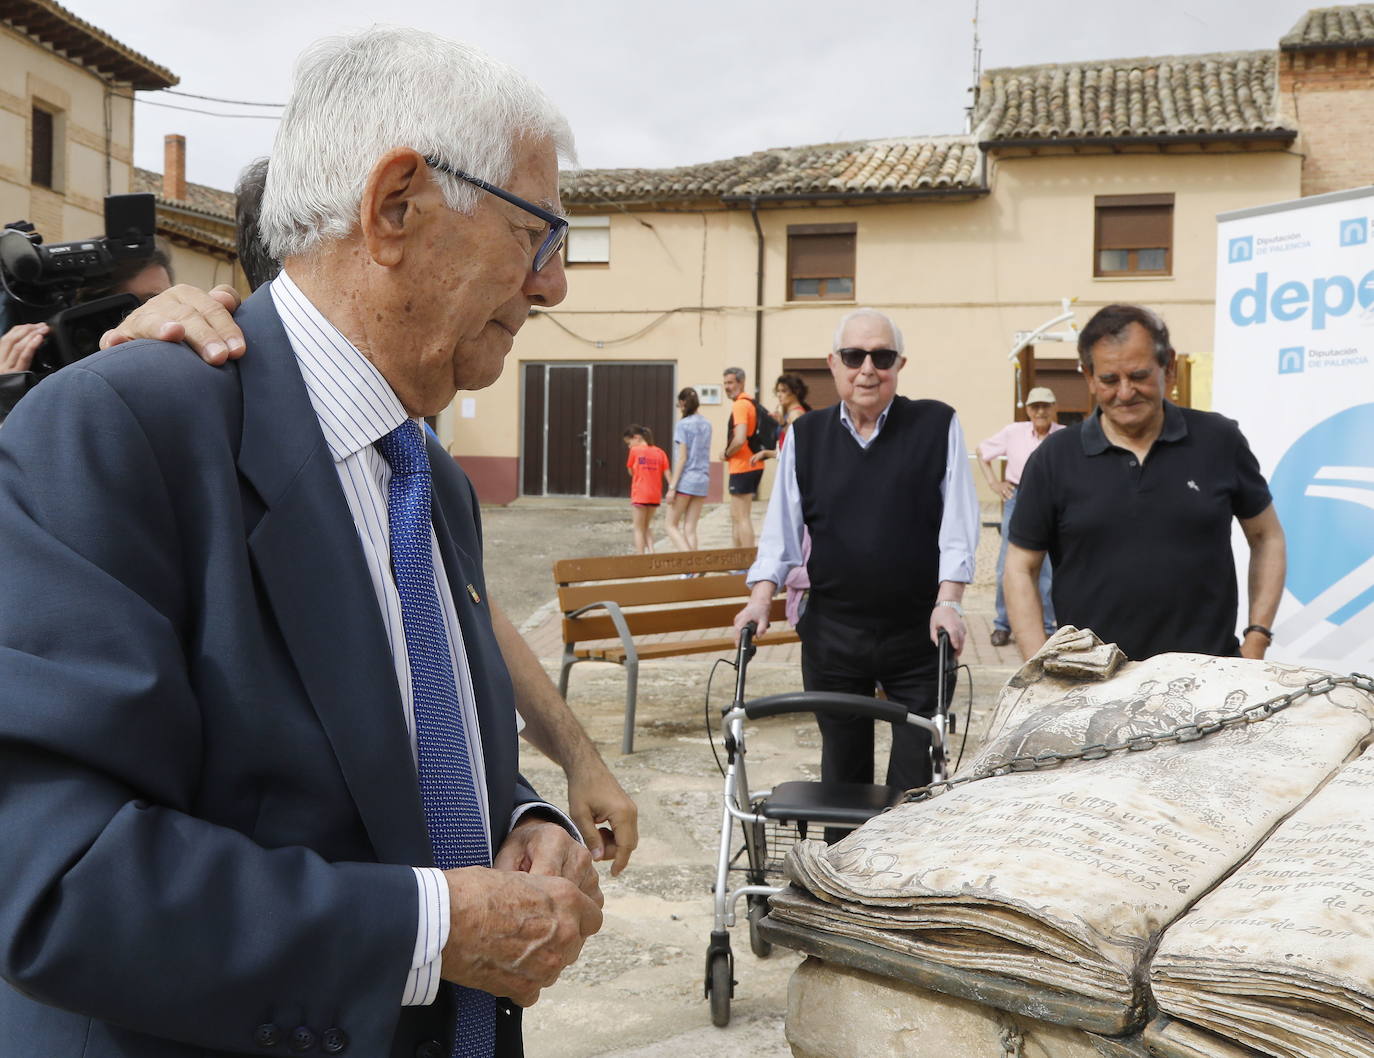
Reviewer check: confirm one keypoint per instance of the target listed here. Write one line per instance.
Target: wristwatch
(953, 606)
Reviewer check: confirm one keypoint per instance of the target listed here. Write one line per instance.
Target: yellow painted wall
(201, 269)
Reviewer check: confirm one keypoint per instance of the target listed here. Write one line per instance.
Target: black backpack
(766, 429)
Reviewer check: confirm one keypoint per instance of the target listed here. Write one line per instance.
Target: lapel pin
(475, 597)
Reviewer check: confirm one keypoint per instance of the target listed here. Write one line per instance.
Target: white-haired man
(883, 485)
(257, 738)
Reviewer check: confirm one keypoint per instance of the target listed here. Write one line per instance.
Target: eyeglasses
(558, 226)
(882, 358)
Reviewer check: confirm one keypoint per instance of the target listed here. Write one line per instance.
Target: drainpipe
(758, 300)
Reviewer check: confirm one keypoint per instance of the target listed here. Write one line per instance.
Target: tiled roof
(197, 233)
(201, 199)
(205, 217)
(78, 40)
(893, 166)
(1332, 27)
(1226, 94)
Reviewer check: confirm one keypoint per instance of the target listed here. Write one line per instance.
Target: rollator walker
(773, 820)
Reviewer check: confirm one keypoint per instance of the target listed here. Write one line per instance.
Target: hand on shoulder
(201, 319)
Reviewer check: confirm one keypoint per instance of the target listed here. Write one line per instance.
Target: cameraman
(143, 278)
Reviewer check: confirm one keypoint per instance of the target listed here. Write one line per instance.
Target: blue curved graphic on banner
(1324, 492)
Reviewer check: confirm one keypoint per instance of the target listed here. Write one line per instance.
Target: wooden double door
(574, 415)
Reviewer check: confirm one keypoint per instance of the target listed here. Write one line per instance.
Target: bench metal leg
(627, 740)
(569, 660)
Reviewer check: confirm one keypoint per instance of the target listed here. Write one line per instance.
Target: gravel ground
(522, 541)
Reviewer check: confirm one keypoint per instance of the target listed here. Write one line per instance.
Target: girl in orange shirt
(647, 466)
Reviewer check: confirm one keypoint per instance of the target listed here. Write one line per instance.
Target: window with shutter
(820, 262)
(589, 240)
(41, 167)
(1133, 235)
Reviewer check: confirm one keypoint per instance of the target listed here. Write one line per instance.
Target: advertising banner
(1295, 367)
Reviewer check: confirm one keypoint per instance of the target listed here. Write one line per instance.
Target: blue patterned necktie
(447, 785)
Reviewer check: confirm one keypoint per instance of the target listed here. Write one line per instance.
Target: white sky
(652, 84)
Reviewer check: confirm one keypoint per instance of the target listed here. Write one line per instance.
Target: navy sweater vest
(874, 513)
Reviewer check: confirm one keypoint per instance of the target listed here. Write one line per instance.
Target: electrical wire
(217, 99)
(197, 110)
(968, 715)
(601, 343)
(710, 736)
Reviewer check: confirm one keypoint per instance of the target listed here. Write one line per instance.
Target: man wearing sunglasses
(257, 736)
(882, 484)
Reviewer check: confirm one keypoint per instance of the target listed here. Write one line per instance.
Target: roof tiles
(864, 167)
(1224, 94)
(199, 197)
(1332, 27)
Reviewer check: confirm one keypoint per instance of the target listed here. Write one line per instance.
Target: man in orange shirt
(744, 475)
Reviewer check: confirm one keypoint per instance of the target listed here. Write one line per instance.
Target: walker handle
(746, 651)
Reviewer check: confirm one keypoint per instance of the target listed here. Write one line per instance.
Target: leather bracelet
(1267, 633)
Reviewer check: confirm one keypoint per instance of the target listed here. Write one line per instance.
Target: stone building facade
(66, 117)
(66, 141)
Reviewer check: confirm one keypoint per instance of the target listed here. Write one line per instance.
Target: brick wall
(1329, 96)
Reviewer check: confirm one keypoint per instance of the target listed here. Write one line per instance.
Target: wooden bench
(617, 609)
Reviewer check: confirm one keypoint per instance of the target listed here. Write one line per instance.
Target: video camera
(41, 282)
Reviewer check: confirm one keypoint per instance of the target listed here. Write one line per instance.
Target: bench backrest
(652, 592)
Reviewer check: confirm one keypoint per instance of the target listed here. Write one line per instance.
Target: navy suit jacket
(208, 800)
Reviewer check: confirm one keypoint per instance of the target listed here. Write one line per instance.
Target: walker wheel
(721, 987)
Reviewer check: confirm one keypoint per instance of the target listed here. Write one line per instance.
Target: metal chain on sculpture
(1182, 733)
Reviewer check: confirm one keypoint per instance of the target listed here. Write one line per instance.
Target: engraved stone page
(1280, 956)
(1064, 878)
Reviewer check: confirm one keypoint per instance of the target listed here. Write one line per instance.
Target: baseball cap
(1041, 395)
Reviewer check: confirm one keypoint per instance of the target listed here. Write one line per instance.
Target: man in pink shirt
(1016, 442)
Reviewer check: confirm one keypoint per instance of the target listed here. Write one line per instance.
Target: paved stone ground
(637, 990)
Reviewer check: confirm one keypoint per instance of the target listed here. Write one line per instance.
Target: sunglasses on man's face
(882, 358)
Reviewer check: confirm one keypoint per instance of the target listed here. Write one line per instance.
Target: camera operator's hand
(19, 343)
(187, 314)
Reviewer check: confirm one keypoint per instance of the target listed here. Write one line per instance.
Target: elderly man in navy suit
(258, 770)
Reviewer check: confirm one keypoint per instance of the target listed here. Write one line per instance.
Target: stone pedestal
(837, 1012)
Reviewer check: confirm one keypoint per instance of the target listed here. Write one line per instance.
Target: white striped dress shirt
(356, 407)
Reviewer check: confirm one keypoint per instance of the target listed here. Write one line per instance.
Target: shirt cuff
(431, 934)
(956, 566)
(560, 817)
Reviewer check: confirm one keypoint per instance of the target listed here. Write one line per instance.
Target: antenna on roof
(977, 73)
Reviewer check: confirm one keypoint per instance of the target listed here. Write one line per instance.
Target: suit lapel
(306, 551)
(491, 688)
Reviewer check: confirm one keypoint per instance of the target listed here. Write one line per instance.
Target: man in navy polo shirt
(1134, 508)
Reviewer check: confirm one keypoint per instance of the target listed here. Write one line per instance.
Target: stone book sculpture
(1280, 956)
(1064, 880)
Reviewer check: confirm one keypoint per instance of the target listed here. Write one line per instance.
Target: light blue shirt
(694, 433)
(780, 544)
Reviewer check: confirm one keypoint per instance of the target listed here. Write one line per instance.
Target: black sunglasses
(558, 226)
(882, 358)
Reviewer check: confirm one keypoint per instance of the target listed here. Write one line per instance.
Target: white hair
(356, 97)
(870, 313)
